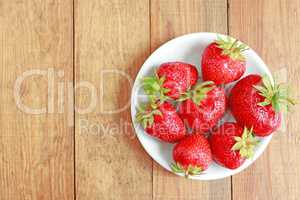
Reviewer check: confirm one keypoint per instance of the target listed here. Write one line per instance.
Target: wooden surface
(99, 46)
(36, 151)
(110, 35)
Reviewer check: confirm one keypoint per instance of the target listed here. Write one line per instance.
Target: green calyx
(145, 114)
(153, 87)
(198, 93)
(231, 47)
(277, 95)
(189, 171)
(246, 143)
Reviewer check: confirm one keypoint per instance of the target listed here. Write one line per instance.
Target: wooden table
(58, 153)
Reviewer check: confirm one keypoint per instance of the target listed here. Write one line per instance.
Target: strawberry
(203, 106)
(257, 102)
(160, 120)
(172, 79)
(192, 155)
(222, 61)
(231, 145)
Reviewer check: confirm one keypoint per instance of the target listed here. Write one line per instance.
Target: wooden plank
(272, 29)
(36, 151)
(171, 18)
(110, 162)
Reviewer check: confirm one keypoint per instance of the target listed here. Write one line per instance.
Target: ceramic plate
(189, 48)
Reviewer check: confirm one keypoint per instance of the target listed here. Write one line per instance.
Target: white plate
(189, 48)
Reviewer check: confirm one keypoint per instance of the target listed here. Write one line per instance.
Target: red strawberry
(173, 78)
(203, 106)
(231, 145)
(162, 121)
(192, 155)
(256, 101)
(222, 61)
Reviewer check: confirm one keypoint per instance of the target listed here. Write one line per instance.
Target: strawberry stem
(198, 93)
(246, 143)
(188, 171)
(276, 95)
(153, 87)
(235, 41)
(145, 114)
(231, 47)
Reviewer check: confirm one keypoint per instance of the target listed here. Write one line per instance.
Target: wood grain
(36, 151)
(272, 29)
(110, 162)
(171, 18)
